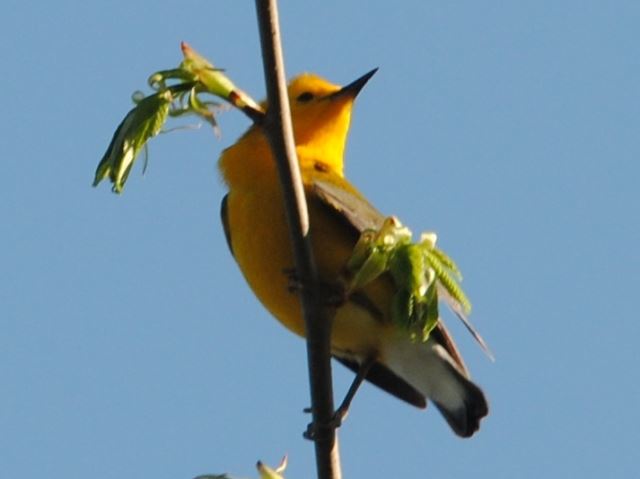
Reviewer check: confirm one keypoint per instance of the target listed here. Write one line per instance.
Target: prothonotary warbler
(257, 232)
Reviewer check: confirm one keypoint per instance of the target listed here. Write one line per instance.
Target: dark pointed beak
(353, 88)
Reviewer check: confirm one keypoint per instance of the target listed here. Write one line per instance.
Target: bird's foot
(333, 294)
(315, 429)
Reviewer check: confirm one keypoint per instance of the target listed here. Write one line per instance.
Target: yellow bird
(364, 337)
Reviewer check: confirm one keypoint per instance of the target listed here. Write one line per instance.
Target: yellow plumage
(257, 231)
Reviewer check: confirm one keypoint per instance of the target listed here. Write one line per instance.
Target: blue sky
(130, 345)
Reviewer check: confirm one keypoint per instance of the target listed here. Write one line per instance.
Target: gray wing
(356, 210)
(361, 215)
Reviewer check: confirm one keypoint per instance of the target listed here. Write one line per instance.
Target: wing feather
(224, 216)
(361, 215)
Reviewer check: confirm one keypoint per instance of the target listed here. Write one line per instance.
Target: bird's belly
(261, 246)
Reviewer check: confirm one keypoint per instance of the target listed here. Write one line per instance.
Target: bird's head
(321, 114)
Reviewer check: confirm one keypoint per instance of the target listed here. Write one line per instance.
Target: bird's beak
(353, 88)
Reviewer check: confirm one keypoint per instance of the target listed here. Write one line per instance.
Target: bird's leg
(341, 413)
(333, 294)
(343, 409)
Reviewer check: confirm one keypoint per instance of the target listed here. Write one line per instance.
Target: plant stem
(279, 130)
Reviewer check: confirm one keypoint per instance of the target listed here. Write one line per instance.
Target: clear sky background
(130, 345)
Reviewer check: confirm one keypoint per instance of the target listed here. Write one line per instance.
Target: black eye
(305, 97)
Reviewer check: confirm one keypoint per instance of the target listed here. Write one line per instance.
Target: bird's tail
(431, 370)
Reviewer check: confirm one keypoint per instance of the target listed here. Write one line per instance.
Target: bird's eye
(305, 97)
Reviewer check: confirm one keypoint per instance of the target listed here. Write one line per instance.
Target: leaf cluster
(177, 92)
(419, 271)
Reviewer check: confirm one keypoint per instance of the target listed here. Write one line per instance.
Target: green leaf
(418, 270)
(408, 269)
(446, 261)
(447, 281)
(431, 313)
(374, 250)
(371, 268)
(402, 308)
(143, 122)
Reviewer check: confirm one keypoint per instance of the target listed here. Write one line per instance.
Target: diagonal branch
(279, 130)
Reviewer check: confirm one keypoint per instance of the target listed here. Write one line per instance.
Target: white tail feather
(427, 367)
(431, 370)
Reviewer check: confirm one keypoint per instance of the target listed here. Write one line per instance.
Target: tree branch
(279, 130)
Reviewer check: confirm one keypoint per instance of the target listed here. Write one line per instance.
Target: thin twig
(279, 130)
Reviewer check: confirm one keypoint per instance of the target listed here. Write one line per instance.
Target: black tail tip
(465, 421)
